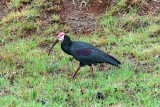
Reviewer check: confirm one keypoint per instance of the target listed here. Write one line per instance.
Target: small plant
(28, 26)
(15, 3)
(56, 8)
(52, 68)
(56, 18)
(66, 28)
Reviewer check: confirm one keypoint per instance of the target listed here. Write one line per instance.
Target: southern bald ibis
(85, 53)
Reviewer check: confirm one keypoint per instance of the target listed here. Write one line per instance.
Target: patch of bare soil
(145, 7)
(82, 15)
(140, 66)
(2, 7)
(1, 12)
(149, 7)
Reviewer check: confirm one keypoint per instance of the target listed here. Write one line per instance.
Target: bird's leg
(91, 71)
(74, 74)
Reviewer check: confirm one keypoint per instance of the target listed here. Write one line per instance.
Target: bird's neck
(65, 45)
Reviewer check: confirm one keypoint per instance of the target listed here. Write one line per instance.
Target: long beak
(53, 46)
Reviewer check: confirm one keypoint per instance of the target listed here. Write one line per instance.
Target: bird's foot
(72, 75)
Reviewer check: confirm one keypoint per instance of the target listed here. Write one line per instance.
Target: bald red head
(60, 36)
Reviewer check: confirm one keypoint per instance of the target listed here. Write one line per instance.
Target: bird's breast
(66, 49)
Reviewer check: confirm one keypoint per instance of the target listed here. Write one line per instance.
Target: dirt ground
(1, 8)
(82, 16)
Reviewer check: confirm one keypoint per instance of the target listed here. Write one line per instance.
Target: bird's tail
(111, 60)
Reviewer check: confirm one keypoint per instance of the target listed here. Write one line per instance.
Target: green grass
(29, 77)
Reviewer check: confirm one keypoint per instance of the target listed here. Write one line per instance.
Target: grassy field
(31, 78)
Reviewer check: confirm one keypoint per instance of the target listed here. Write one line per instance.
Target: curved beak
(54, 43)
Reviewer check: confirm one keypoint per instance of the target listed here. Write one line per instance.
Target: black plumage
(86, 54)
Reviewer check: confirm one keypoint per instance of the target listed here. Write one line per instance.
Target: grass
(31, 78)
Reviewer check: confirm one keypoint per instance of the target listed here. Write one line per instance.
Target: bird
(85, 53)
